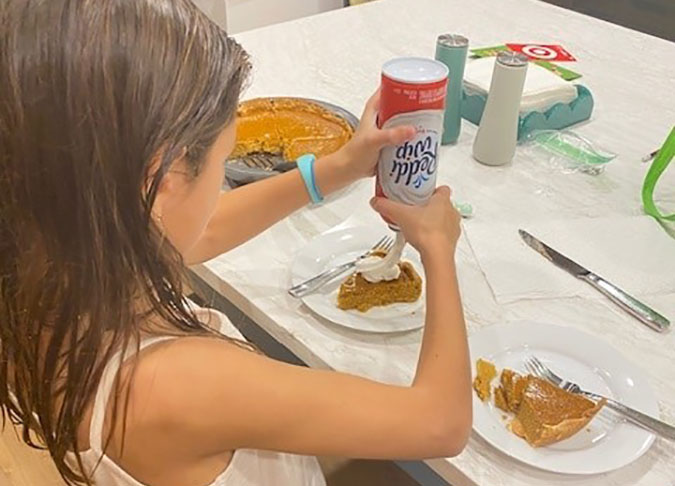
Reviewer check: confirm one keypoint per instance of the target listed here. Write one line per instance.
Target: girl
(115, 119)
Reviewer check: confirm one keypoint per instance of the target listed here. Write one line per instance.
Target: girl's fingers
(393, 136)
(443, 192)
(369, 116)
(391, 210)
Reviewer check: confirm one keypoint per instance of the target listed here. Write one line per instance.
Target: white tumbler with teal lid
(451, 50)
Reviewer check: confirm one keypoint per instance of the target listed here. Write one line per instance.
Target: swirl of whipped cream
(375, 269)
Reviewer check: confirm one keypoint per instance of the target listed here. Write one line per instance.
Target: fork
(314, 283)
(537, 368)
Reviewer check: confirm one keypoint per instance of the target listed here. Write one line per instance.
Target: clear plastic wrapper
(567, 151)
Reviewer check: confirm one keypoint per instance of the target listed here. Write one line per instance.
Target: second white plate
(608, 442)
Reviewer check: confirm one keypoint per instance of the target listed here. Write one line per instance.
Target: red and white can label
(407, 172)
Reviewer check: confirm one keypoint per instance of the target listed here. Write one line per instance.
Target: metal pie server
(634, 307)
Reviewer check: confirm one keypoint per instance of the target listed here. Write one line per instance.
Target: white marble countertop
(336, 57)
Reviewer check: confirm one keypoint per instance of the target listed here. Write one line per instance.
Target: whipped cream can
(413, 92)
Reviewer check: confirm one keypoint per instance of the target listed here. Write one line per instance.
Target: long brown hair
(90, 92)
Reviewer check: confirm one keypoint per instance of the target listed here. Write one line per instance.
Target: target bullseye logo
(542, 52)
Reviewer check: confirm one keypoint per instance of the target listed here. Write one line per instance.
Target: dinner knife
(634, 307)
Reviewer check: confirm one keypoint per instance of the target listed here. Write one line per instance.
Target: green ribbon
(663, 158)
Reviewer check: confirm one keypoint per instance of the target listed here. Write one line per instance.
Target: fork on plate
(540, 370)
(318, 281)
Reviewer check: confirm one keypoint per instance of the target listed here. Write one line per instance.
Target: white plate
(336, 247)
(608, 442)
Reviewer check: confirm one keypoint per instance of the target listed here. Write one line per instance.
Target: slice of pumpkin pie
(356, 292)
(548, 414)
(543, 413)
(485, 373)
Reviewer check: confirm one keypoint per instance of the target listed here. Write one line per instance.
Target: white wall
(250, 14)
(216, 9)
(239, 15)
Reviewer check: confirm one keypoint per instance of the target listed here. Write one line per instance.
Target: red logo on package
(543, 52)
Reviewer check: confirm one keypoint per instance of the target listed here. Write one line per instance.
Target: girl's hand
(361, 153)
(430, 228)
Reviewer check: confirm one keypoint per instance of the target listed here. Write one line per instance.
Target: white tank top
(247, 467)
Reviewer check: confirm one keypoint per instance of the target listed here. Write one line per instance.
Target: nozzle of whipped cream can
(412, 93)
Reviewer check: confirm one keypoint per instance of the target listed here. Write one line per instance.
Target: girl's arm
(211, 396)
(247, 211)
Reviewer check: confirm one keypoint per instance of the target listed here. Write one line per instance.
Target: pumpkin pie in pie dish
(289, 127)
(543, 413)
(358, 293)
